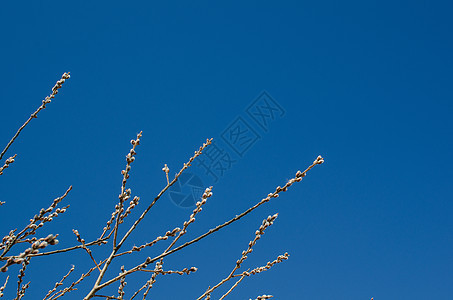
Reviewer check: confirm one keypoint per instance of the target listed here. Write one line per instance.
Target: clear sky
(365, 84)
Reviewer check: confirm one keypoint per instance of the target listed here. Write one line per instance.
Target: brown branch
(96, 242)
(125, 194)
(159, 238)
(263, 297)
(132, 204)
(33, 249)
(57, 284)
(31, 228)
(257, 270)
(232, 288)
(97, 284)
(20, 277)
(82, 241)
(207, 193)
(265, 224)
(182, 272)
(35, 114)
(139, 290)
(61, 293)
(166, 170)
(2, 288)
(122, 285)
(7, 163)
(186, 165)
(204, 198)
(299, 176)
(22, 291)
(107, 297)
(152, 280)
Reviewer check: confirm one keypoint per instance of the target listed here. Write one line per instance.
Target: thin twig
(125, 194)
(20, 277)
(22, 291)
(31, 228)
(33, 249)
(152, 280)
(166, 170)
(70, 288)
(204, 198)
(159, 238)
(232, 288)
(35, 114)
(96, 242)
(82, 241)
(265, 224)
(2, 288)
(57, 284)
(7, 163)
(207, 193)
(263, 297)
(122, 285)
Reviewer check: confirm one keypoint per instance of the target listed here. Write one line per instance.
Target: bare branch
(21, 290)
(82, 241)
(11, 239)
(232, 288)
(57, 284)
(25, 256)
(35, 114)
(159, 238)
(265, 224)
(7, 163)
(96, 242)
(70, 288)
(166, 170)
(125, 194)
(122, 285)
(263, 297)
(2, 288)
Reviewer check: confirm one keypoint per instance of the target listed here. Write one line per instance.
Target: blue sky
(365, 84)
